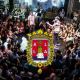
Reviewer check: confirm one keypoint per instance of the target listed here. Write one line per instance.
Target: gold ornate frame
(40, 35)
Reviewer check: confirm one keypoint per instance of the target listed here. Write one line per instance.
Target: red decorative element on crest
(36, 44)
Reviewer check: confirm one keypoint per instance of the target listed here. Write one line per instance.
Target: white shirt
(57, 26)
(23, 44)
(62, 14)
(69, 39)
(31, 19)
(6, 45)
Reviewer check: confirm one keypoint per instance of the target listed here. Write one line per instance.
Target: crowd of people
(13, 44)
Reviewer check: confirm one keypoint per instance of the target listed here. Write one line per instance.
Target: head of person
(31, 13)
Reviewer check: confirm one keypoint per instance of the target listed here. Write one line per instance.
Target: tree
(11, 5)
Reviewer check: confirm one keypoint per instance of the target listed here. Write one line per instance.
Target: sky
(42, 0)
(48, 3)
(29, 2)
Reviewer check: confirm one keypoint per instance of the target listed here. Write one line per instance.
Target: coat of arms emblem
(40, 50)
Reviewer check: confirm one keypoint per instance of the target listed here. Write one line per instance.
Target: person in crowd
(62, 14)
(24, 44)
(55, 27)
(31, 21)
